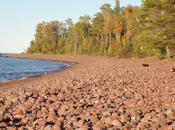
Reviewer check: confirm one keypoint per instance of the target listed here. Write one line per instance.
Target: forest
(132, 31)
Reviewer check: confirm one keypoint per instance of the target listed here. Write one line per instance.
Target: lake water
(13, 68)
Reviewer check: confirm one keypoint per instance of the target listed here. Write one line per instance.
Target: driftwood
(145, 65)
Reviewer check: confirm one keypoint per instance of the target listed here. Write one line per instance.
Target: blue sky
(18, 18)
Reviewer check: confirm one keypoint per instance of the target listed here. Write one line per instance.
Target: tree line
(140, 31)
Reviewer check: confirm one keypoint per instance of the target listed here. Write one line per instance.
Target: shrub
(146, 44)
(126, 52)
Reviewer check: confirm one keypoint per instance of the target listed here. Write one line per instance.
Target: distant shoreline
(27, 74)
(18, 56)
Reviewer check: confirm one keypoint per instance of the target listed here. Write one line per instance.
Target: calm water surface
(13, 68)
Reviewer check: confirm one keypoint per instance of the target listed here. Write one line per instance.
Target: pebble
(117, 123)
(98, 93)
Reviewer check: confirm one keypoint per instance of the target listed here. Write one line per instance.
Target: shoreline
(95, 93)
(68, 64)
(68, 59)
(7, 85)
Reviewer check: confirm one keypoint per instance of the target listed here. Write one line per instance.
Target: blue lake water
(13, 68)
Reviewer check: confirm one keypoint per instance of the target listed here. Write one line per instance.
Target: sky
(18, 18)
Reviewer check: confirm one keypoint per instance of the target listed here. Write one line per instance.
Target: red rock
(147, 116)
(56, 127)
(93, 90)
(52, 98)
(140, 126)
(79, 123)
(30, 128)
(124, 118)
(97, 128)
(8, 103)
(116, 123)
(107, 114)
(170, 114)
(83, 128)
(48, 127)
(3, 125)
(41, 122)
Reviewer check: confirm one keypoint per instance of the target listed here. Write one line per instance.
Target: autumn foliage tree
(119, 31)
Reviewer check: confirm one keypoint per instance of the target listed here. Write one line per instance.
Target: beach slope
(95, 92)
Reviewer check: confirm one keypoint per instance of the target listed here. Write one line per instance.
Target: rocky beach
(94, 93)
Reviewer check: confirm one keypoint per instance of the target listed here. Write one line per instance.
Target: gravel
(98, 93)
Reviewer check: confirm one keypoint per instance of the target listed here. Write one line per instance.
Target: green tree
(119, 31)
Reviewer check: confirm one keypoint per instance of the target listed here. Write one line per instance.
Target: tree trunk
(75, 42)
(106, 43)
